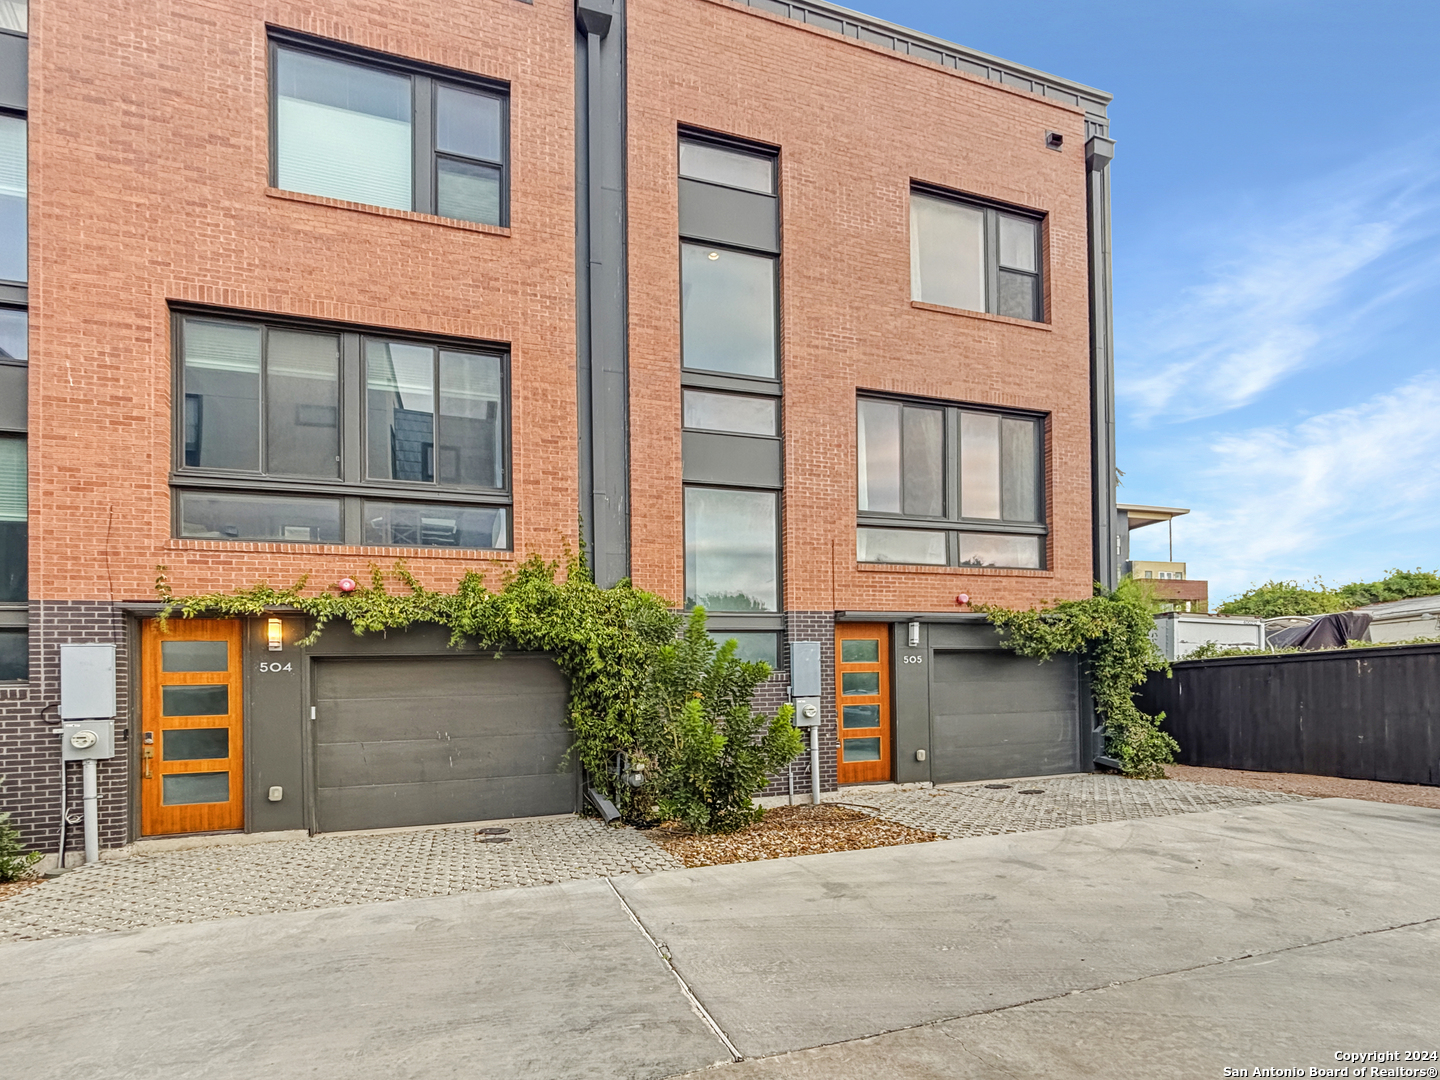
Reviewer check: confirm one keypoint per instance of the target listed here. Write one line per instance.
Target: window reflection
(730, 550)
(727, 311)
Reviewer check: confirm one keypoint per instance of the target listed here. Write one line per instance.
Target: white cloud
(1283, 288)
(1344, 494)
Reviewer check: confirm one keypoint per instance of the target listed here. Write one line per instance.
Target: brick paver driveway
(331, 871)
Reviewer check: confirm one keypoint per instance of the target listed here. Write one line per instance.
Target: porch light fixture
(914, 639)
(273, 635)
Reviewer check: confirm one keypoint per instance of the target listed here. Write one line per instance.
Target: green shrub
(15, 862)
(713, 751)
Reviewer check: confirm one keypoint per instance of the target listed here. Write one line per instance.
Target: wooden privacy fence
(1368, 714)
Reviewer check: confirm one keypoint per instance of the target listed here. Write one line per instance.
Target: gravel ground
(319, 872)
(786, 831)
(1315, 787)
(15, 888)
(1051, 802)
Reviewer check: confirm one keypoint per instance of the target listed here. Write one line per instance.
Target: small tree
(713, 750)
(15, 861)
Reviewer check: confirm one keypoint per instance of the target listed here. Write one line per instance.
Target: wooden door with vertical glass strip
(862, 672)
(191, 727)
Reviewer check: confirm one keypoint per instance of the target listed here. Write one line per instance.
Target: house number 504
(912, 659)
(275, 666)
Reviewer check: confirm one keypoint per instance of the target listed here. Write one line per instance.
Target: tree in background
(1276, 598)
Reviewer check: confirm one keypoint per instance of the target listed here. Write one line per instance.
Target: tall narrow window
(14, 186)
(970, 498)
(14, 519)
(975, 257)
(730, 375)
(377, 130)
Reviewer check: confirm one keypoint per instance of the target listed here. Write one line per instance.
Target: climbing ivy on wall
(1110, 632)
(604, 640)
(675, 705)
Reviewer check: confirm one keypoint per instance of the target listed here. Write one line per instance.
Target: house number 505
(275, 666)
(913, 659)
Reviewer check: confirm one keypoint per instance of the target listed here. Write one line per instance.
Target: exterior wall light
(914, 639)
(274, 635)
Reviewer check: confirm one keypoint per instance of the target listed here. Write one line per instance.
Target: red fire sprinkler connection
(346, 584)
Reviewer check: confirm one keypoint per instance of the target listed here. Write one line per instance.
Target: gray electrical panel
(804, 669)
(87, 682)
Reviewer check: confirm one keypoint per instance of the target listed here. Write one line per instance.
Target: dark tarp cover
(1326, 632)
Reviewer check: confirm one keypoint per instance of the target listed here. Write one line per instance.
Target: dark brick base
(807, 626)
(30, 747)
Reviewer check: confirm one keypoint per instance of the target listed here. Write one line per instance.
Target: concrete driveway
(1259, 937)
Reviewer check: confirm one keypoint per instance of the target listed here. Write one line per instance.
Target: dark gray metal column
(602, 347)
(1098, 153)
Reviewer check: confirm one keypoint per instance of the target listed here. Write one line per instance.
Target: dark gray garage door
(429, 740)
(995, 714)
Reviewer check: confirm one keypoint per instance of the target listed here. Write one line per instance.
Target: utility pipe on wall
(92, 811)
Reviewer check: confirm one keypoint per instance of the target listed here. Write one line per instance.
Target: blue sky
(1277, 268)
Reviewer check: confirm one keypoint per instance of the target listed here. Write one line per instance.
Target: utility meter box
(87, 682)
(87, 740)
(804, 669)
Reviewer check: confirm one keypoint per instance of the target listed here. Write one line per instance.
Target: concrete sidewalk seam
(942, 1021)
(664, 955)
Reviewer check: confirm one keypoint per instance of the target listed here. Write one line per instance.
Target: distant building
(1171, 579)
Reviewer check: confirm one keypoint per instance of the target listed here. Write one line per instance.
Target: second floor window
(976, 257)
(309, 434)
(377, 131)
(943, 484)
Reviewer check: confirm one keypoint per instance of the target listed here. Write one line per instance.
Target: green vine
(1110, 632)
(606, 641)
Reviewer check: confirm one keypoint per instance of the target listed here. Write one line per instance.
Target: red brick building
(803, 315)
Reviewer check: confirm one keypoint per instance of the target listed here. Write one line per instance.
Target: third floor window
(375, 130)
(975, 257)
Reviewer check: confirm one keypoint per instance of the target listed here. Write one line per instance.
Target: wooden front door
(192, 736)
(862, 670)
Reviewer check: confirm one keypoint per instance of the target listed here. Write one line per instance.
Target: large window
(731, 550)
(942, 484)
(730, 376)
(274, 443)
(976, 257)
(376, 130)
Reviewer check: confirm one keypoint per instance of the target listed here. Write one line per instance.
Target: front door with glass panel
(862, 669)
(191, 739)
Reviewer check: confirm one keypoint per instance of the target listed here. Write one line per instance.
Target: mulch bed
(15, 888)
(1316, 787)
(785, 831)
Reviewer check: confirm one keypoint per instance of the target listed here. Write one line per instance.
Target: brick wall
(148, 185)
(855, 124)
(807, 626)
(30, 747)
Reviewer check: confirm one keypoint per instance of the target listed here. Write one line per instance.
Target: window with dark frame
(730, 388)
(358, 126)
(975, 256)
(14, 347)
(300, 433)
(943, 484)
